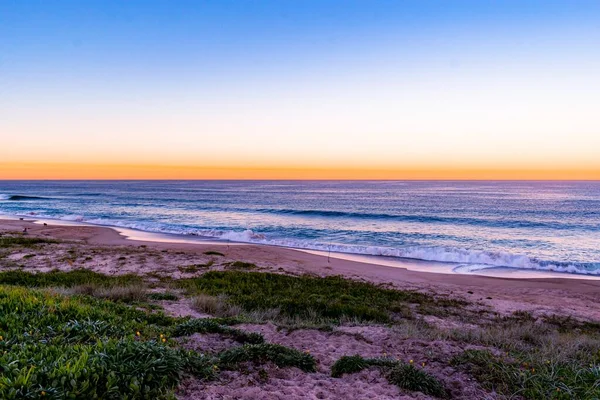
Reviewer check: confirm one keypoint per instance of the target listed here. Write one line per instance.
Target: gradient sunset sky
(300, 89)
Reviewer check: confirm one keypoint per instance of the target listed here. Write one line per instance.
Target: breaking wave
(478, 259)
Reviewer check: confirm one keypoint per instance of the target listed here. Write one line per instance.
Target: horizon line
(107, 172)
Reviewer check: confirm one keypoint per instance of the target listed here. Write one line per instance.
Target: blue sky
(299, 83)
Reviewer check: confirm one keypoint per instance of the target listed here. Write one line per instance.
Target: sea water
(547, 226)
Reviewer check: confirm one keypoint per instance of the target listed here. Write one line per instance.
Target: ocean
(473, 225)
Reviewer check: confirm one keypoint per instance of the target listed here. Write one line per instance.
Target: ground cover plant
(57, 346)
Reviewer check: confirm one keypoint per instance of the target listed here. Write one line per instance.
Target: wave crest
(18, 197)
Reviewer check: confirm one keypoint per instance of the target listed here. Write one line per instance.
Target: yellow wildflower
(411, 361)
(164, 340)
(137, 333)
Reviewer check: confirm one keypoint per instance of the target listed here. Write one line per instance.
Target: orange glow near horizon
(72, 171)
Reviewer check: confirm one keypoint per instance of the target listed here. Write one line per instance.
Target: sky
(299, 89)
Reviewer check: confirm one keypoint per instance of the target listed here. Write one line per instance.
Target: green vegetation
(240, 265)
(193, 268)
(82, 334)
(405, 376)
(349, 365)
(210, 325)
(260, 353)
(409, 377)
(57, 346)
(67, 279)
(551, 357)
(124, 288)
(167, 296)
(24, 241)
(533, 379)
(60, 347)
(331, 298)
(214, 253)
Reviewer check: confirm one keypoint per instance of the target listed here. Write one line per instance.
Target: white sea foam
(74, 218)
(476, 260)
(4, 196)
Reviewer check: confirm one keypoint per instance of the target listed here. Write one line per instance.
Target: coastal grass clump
(214, 253)
(541, 340)
(124, 288)
(409, 377)
(530, 377)
(67, 279)
(241, 265)
(279, 355)
(163, 296)
(23, 241)
(56, 346)
(349, 365)
(405, 376)
(126, 294)
(330, 298)
(217, 306)
(211, 325)
(193, 268)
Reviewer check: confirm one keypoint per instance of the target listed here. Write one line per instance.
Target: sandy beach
(577, 297)
(434, 340)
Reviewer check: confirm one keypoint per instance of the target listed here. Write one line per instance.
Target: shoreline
(579, 297)
(412, 264)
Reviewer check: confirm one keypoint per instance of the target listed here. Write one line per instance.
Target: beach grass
(262, 353)
(329, 298)
(67, 279)
(530, 377)
(23, 241)
(403, 375)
